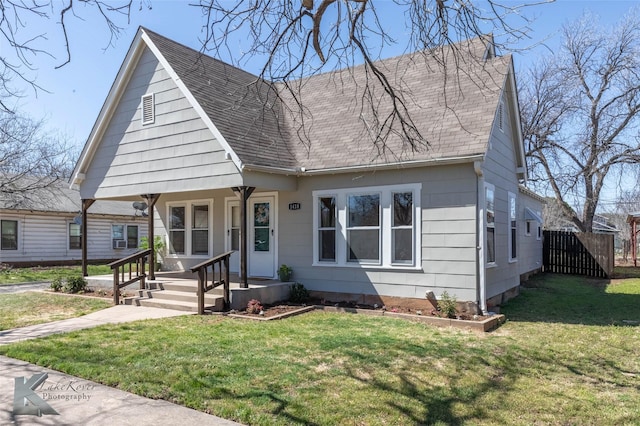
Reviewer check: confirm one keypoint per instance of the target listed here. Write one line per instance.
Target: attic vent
(148, 109)
(501, 116)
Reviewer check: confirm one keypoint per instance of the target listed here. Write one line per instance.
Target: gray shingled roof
(235, 102)
(453, 106)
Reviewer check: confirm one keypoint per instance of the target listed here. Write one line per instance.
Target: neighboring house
(197, 138)
(45, 228)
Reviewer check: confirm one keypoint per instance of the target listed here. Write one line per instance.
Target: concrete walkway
(81, 402)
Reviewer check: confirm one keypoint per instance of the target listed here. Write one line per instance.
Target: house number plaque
(294, 206)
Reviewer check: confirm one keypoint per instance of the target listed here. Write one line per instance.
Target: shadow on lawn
(572, 299)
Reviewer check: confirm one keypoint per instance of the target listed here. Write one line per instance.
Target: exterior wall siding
(175, 153)
(499, 170)
(448, 236)
(44, 238)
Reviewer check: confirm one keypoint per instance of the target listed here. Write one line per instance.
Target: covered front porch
(179, 290)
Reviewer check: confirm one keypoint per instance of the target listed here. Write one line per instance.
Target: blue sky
(78, 90)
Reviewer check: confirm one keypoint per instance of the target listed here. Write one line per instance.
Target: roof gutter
(302, 171)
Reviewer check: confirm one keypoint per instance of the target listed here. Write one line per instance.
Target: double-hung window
(200, 229)
(363, 228)
(402, 227)
(369, 227)
(513, 228)
(177, 224)
(491, 223)
(326, 234)
(189, 228)
(9, 231)
(75, 236)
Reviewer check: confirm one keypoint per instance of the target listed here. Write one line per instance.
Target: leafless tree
(580, 113)
(297, 39)
(22, 44)
(302, 38)
(30, 159)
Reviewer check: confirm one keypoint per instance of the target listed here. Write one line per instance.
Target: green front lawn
(569, 354)
(48, 273)
(30, 308)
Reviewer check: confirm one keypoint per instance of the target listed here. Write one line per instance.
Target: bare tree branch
(581, 113)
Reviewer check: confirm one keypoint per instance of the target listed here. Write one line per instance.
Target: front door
(261, 242)
(261, 236)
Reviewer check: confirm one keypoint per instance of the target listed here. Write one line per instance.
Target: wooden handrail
(139, 273)
(222, 261)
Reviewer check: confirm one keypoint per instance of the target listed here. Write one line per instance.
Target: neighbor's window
(491, 223)
(513, 228)
(327, 229)
(402, 227)
(368, 226)
(9, 230)
(363, 228)
(132, 236)
(75, 236)
(200, 229)
(117, 232)
(176, 229)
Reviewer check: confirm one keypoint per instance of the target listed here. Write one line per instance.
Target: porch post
(151, 202)
(86, 203)
(243, 192)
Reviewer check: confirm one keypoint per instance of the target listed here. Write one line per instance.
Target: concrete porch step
(173, 304)
(176, 295)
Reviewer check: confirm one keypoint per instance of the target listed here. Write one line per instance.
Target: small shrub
(56, 284)
(447, 305)
(75, 285)
(254, 307)
(297, 293)
(284, 273)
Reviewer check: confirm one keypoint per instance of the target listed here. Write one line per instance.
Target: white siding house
(354, 222)
(45, 229)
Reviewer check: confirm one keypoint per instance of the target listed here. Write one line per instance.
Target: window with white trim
(491, 223)
(148, 109)
(513, 228)
(200, 229)
(372, 227)
(402, 227)
(326, 229)
(9, 232)
(189, 228)
(75, 236)
(363, 228)
(527, 231)
(177, 225)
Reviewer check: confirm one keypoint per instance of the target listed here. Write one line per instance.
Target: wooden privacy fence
(578, 253)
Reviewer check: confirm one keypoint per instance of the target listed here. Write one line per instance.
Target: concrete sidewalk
(113, 315)
(81, 402)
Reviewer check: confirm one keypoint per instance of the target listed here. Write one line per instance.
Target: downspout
(481, 204)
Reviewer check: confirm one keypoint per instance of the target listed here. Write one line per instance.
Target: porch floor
(178, 290)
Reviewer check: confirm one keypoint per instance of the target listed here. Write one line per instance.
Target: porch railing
(129, 270)
(219, 265)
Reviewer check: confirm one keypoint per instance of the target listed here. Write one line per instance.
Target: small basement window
(148, 109)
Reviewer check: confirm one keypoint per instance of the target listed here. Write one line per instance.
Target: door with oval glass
(261, 242)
